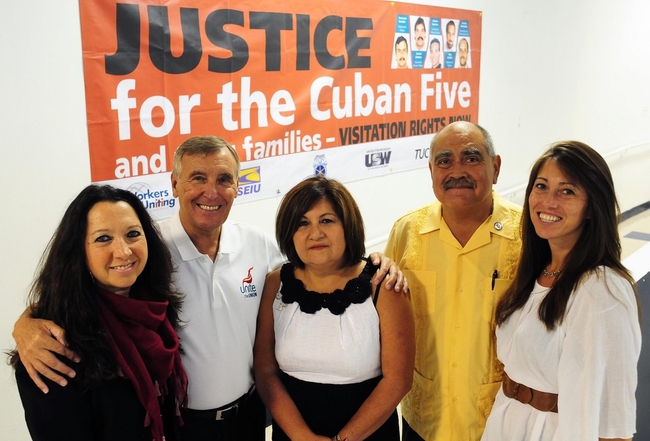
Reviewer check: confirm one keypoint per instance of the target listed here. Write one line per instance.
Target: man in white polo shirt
(221, 269)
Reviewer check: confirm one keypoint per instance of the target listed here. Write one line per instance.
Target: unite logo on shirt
(247, 286)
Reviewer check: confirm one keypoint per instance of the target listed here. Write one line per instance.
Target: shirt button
(454, 365)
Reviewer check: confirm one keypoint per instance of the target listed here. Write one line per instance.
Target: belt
(221, 413)
(543, 401)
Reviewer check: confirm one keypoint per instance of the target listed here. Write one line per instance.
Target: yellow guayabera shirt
(454, 291)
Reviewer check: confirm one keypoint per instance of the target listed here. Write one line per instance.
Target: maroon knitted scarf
(146, 348)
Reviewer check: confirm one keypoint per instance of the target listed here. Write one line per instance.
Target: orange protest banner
(278, 80)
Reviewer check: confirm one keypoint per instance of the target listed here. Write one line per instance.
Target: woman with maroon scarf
(106, 278)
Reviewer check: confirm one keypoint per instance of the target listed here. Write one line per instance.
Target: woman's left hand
(395, 279)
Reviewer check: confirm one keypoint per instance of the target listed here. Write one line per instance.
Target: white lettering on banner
(146, 121)
(388, 100)
(357, 100)
(293, 142)
(141, 165)
(123, 103)
(462, 91)
(281, 104)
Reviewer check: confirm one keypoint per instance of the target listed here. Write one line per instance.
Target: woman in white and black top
(333, 355)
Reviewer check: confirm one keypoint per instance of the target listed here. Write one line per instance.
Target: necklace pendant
(551, 273)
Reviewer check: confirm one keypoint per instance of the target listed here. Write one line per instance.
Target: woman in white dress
(568, 327)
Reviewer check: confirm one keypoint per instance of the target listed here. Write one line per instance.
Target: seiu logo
(377, 159)
(249, 181)
(248, 189)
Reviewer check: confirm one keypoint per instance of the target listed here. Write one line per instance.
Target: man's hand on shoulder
(37, 341)
(395, 279)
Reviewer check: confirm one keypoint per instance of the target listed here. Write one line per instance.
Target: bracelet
(336, 438)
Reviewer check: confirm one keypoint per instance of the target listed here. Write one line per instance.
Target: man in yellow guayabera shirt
(459, 254)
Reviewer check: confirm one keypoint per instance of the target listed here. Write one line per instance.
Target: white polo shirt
(221, 300)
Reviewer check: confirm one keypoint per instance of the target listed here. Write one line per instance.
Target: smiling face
(206, 189)
(557, 206)
(116, 248)
(320, 239)
(462, 170)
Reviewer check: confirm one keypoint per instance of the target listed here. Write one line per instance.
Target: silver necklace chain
(552, 273)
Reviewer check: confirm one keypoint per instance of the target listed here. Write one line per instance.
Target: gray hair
(201, 145)
(487, 138)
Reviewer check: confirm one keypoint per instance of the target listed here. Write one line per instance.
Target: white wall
(550, 70)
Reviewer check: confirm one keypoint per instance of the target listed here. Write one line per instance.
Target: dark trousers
(248, 425)
(408, 434)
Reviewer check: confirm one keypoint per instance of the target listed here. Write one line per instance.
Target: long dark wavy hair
(598, 245)
(64, 291)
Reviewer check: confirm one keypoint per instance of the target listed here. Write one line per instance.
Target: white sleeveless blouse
(327, 348)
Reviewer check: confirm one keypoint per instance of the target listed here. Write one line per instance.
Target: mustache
(458, 183)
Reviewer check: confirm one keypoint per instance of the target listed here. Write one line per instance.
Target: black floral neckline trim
(357, 290)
